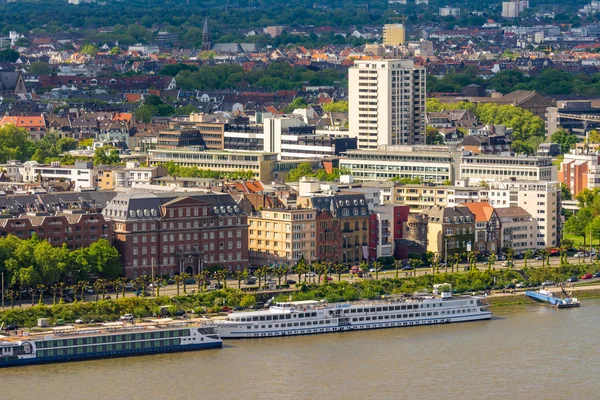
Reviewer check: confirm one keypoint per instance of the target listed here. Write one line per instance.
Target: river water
(524, 352)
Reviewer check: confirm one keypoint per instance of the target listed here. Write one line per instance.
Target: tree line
(32, 262)
(276, 76)
(193, 172)
(16, 145)
(550, 81)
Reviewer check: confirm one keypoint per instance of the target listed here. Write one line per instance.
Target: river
(524, 352)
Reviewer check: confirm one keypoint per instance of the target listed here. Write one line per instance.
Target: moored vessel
(114, 339)
(545, 296)
(312, 317)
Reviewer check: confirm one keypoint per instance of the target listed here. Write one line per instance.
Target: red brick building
(76, 228)
(329, 239)
(175, 233)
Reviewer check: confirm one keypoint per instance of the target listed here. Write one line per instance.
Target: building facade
(394, 35)
(426, 163)
(168, 234)
(282, 236)
(386, 100)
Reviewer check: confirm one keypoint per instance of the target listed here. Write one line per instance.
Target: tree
(119, 285)
(298, 102)
(415, 263)
(89, 50)
(115, 51)
(336, 107)
(565, 192)
(526, 256)
(15, 144)
(491, 261)
(300, 268)
(577, 223)
(280, 272)
(9, 55)
(302, 170)
(433, 136)
(565, 139)
(240, 276)
(105, 259)
(221, 275)
(248, 301)
(178, 280)
(339, 269)
(377, 266)
(184, 278)
(39, 68)
(106, 155)
(398, 265)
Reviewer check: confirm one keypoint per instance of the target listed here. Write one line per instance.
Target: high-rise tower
(386, 100)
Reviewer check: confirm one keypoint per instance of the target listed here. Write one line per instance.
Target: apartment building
(111, 177)
(478, 168)
(449, 11)
(394, 35)
(386, 100)
(75, 228)
(580, 169)
(420, 197)
(487, 228)
(167, 233)
(518, 229)
(282, 236)
(450, 230)
(540, 199)
(352, 212)
(260, 163)
(427, 163)
(81, 175)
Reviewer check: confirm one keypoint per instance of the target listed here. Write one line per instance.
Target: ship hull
(241, 332)
(111, 354)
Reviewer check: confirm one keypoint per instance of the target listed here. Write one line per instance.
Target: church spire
(206, 36)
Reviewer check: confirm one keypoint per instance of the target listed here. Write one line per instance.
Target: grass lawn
(577, 240)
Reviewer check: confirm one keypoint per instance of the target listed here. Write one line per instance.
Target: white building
(427, 163)
(386, 100)
(540, 199)
(449, 11)
(489, 168)
(518, 229)
(82, 175)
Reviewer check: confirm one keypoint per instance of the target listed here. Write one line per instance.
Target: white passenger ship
(310, 317)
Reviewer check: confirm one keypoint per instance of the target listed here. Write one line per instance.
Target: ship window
(262, 318)
(288, 316)
(302, 323)
(268, 318)
(411, 315)
(379, 309)
(387, 317)
(314, 314)
(361, 319)
(295, 324)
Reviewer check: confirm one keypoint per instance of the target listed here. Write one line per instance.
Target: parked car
(126, 317)
(538, 257)
(572, 279)
(290, 282)
(311, 274)
(586, 276)
(328, 278)
(407, 268)
(597, 275)
(548, 283)
(129, 285)
(520, 285)
(251, 281)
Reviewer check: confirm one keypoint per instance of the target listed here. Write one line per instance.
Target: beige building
(282, 236)
(260, 163)
(394, 35)
(518, 230)
(386, 100)
(420, 197)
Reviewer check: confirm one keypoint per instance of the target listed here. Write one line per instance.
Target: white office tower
(386, 103)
